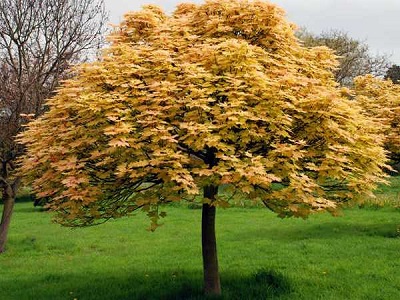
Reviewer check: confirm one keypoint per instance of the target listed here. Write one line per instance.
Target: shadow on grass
(265, 284)
(327, 230)
(330, 230)
(30, 209)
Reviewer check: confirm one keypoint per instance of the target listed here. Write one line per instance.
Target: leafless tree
(39, 41)
(355, 57)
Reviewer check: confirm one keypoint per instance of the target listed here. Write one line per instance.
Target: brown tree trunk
(212, 285)
(9, 194)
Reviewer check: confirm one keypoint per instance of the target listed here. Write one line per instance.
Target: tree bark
(212, 285)
(9, 193)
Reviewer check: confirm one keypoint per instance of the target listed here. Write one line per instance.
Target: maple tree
(381, 99)
(216, 94)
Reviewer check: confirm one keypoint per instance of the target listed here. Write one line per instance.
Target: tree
(216, 94)
(39, 40)
(393, 73)
(381, 99)
(354, 55)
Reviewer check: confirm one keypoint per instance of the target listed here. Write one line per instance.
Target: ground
(353, 256)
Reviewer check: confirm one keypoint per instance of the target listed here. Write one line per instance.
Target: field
(353, 256)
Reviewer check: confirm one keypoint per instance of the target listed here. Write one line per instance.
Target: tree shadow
(330, 230)
(30, 209)
(327, 230)
(174, 285)
(263, 284)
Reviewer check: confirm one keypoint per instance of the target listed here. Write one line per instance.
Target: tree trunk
(9, 194)
(212, 286)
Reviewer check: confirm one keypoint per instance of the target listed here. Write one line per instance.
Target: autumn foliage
(215, 94)
(381, 100)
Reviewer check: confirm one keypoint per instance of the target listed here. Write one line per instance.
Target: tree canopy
(220, 93)
(381, 99)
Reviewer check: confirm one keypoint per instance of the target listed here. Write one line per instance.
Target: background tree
(216, 94)
(39, 40)
(381, 99)
(355, 57)
(393, 73)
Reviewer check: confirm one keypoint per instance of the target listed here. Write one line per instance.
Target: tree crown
(216, 94)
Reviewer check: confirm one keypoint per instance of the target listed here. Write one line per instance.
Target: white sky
(375, 21)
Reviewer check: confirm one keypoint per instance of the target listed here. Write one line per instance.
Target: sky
(377, 22)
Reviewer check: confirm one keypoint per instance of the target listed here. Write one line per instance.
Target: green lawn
(355, 256)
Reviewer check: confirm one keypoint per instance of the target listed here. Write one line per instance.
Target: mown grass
(354, 256)
(386, 196)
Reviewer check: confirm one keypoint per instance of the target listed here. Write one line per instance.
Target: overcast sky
(375, 21)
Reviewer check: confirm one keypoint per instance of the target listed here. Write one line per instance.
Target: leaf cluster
(380, 99)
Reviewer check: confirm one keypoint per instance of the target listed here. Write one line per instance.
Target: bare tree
(355, 57)
(39, 41)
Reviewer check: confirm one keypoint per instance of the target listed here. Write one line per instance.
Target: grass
(386, 196)
(355, 256)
